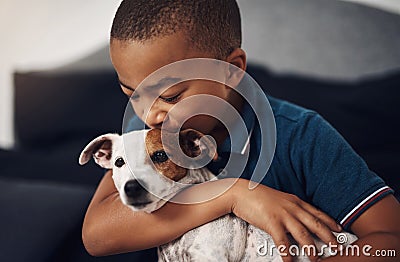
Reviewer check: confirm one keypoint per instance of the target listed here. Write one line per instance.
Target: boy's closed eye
(126, 90)
(166, 98)
(171, 99)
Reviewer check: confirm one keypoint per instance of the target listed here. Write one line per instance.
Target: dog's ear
(193, 143)
(100, 149)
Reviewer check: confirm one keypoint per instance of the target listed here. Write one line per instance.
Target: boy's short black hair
(212, 26)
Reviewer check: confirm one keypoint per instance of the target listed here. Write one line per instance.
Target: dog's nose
(133, 189)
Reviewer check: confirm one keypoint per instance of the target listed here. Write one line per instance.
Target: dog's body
(225, 239)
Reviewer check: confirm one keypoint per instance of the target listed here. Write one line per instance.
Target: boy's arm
(379, 228)
(110, 227)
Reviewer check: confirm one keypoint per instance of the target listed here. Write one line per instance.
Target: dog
(150, 169)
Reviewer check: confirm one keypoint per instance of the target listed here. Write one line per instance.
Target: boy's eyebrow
(161, 83)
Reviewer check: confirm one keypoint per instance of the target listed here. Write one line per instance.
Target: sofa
(44, 192)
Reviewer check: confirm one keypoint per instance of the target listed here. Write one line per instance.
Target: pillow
(52, 107)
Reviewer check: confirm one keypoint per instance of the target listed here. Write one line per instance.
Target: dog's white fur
(225, 239)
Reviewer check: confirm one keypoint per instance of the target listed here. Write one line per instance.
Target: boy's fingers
(282, 243)
(322, 217)
(317, 226)
(304, 239)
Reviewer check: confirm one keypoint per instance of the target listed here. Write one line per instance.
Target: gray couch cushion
(321, 38)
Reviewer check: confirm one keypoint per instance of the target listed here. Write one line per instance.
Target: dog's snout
(134, 190)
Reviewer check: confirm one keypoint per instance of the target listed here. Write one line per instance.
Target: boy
(312, 166)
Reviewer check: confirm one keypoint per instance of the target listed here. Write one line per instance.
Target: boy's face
(134, 61)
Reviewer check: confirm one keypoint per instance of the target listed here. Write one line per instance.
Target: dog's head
(143, 173)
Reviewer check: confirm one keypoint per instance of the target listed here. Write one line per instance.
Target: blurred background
(44, 34)
(58, 90)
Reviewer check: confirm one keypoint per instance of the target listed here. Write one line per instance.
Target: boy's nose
(155, 118)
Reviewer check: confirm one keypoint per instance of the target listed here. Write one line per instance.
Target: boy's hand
(279, 213)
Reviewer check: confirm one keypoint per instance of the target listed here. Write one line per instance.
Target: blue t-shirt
(312, 161)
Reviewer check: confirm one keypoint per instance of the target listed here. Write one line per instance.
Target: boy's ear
(100, 149)
(237, 58)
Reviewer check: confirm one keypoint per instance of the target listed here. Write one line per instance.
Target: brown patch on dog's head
(189, 141)
(156, 152)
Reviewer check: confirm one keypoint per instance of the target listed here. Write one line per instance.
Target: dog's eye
(159, 156)
(119, 162)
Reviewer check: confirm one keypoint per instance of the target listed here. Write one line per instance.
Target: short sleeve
(337, 180)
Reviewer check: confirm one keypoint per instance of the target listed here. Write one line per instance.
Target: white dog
(225, 239)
